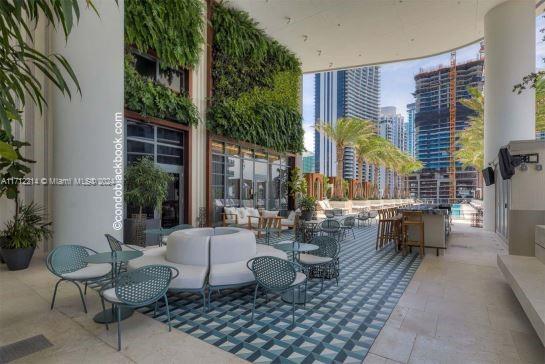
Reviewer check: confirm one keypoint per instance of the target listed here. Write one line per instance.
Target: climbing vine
(256, 80)
(171, 28)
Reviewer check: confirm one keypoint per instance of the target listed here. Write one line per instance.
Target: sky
(397, 80)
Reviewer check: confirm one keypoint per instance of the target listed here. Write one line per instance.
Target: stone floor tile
(394, 344)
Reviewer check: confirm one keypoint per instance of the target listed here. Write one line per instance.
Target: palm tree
(344, 133)
(471, 140)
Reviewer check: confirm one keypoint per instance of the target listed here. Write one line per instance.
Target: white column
(509, 34)
(198, 134)
(83, 127)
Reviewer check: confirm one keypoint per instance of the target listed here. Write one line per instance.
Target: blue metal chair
(348, 223)
(116, 245)
(363, 216)
(137, 288)
(276, 275)
(67, 263)
(331, 227)
(324, 262)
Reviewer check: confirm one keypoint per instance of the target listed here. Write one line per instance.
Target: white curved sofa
(213, 257)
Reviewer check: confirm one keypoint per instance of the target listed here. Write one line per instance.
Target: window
(247, 177)
(150, 67)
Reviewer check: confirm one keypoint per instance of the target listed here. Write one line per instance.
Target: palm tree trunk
(339, 180)
(375, 178)
(360, 167)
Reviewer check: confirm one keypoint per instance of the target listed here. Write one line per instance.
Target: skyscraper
(354, 92)
(308, 162)
(411, 108)
(432, 122)
(391, 127)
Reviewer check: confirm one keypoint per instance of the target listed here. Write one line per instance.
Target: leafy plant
(256, 84)
(471, 140)
(345, 132)
(18, 82)
(151, 98)
(145, 184)
(26, 229)
(11, 170)
(297, 183)
(172, 28)
(307, 203)
(535, 80)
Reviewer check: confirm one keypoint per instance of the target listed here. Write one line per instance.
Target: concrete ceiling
(334, 34)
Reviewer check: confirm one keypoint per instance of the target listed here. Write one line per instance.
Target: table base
(299, 296)
(109, 316)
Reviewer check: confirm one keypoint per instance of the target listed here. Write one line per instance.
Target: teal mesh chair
(137, 288)
(117, 246)
(324, 262)
(68, 263)
(347, 224)
(330, 227)
(276, 275)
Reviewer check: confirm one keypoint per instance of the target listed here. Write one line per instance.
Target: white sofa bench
(212, 258)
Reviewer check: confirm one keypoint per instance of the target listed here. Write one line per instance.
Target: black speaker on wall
(488, 176)
(505, 162)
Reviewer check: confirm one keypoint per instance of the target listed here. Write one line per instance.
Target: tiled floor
(459, 309)
(338, 324)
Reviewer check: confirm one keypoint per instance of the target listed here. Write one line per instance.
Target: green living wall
(173, 30)
(256, 84)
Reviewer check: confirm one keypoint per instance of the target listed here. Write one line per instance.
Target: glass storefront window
(245, 177)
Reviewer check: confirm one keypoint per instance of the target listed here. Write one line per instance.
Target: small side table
(114, 258)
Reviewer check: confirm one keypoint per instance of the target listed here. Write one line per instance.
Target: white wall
(83, 128)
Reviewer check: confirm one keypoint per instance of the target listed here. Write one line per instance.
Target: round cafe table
(115, 259)
(295, 248)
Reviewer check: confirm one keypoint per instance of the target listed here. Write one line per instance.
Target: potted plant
(145, 187)
(22, 234)
(307, 205)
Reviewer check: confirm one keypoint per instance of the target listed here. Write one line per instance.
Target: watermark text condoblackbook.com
(117, 166)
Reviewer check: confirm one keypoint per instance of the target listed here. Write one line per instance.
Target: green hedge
(150, 98)
(172, 28)
(256, 84)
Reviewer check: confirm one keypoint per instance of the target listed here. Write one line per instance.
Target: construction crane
(452, 127)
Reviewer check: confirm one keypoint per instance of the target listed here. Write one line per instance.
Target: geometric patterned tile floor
(339, 324)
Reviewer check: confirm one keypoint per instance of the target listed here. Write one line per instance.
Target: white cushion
(291, 216)
(189, 246)
(109, 295)
(234, 247)
(313, 259)
(230, 211)
(230, 273)
(263, 249)
(267, 213)
(190, 277)
(89, 272)
(250, 211)
(287, 222)
(241, 213)
(299, 278)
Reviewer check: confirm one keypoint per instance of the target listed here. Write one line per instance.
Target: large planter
(17, 259)
(307, 215)
(134, 231)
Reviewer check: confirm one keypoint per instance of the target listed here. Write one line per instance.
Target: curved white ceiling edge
(338, 34)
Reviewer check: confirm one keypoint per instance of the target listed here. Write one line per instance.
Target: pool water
(456, 210)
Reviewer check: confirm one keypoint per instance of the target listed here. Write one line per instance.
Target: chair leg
(293, 309)
(203, 301)
(55, 292)
(104, 309)
(85, 290)
(255, 296)
(353, 235)
(81, 295)
(168, 313)
(118, 328)
(155, 309)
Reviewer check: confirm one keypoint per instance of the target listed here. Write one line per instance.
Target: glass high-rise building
(411, 110)
(391, 127)
(354, 92)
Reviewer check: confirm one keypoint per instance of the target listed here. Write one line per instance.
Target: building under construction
(439, 118)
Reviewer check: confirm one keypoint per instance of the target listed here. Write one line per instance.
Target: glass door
(260, 183)
(247, 183)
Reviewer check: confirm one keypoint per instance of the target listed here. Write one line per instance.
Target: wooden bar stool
(389, 228)
(413, 219)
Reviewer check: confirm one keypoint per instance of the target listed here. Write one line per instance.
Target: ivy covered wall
(256, 84)
(173, 30)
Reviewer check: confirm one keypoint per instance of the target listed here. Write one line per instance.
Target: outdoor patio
(457, 308)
